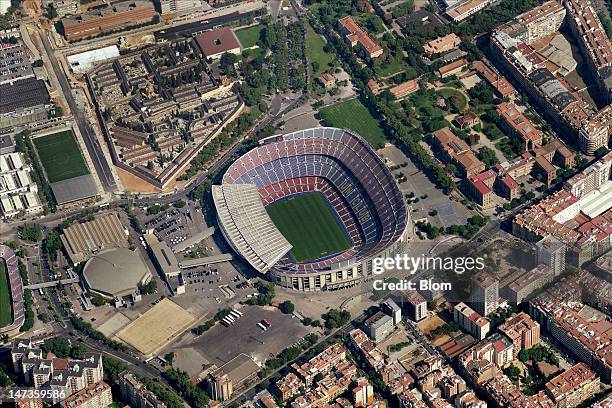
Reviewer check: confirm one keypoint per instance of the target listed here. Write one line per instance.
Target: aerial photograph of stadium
(306, 203)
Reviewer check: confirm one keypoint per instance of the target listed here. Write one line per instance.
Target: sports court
(60, 156)
(310, 225)
(157, 327)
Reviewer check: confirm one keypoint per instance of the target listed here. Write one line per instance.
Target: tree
(31, 233)
(148, 288)
(51, 12)
(287, 307)
(513, 372)
(336, 318)
(487, 156)
(52, 244)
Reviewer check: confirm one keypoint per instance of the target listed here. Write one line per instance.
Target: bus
(239, 313)
(266, 323)
(262, 327)
(230, 318)
(235, 315)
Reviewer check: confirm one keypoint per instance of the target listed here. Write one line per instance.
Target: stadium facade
(15, 286)
(356, 184)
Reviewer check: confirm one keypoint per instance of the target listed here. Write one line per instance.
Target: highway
(94, 149)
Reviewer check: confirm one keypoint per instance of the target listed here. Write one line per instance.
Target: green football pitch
(60, 156)
(309, 224)
(5, 298)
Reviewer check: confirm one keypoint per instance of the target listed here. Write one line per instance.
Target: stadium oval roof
(250, 229)
(336, 162)
(115, 272)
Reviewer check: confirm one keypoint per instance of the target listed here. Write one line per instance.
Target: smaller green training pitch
(5, 297)
(60, 156)
(309, 224)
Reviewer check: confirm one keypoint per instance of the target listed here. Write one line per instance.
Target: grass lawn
(249, 36)
(60, 156)
(5, 298)
(314, 50)
(309, 224)
(449, 92)
(356, 117)
(397, 66)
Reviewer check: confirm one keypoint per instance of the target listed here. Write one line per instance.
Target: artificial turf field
(60, 156)
(5, 298)
(309, 224)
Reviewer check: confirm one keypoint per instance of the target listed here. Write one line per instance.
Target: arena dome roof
(115, 272)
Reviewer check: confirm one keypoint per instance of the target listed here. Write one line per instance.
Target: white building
(18, 192)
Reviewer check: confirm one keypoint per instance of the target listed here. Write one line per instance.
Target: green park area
(315, 53)
(355, 116)
(249, 36)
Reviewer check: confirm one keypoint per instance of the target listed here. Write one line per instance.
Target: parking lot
(426, 196)
(220, 344)
(174, 225)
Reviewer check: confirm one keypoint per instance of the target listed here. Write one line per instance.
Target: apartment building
(540, 21)
(484, 360)
(594, 43)
(472, 322)
(136, 393)
(414, 304)
(522, 331)
(321, 363)
(362, 393)
(588, 338)
(519, 286)
(288, 386)
(592, 178)
(564, 108)
(573, 386)
(67, 375)
(392, 309)
(484, 293)
(379, 326)
(93, 396)
(551, 252)
(219, 386)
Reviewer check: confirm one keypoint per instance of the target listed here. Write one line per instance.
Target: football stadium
(12, 314)
(311, 209)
